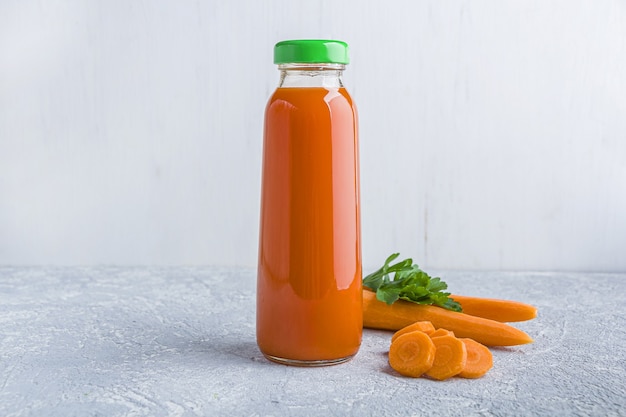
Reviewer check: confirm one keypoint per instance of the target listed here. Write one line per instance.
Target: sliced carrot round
(423, 326)
(479, 359)
(450, 357)
(440, 332)
(412, 354)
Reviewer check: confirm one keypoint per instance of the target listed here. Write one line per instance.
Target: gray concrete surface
(107, 341)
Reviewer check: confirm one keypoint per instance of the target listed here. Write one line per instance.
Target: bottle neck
(311, 75)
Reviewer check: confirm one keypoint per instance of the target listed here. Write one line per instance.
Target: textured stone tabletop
(110, 341)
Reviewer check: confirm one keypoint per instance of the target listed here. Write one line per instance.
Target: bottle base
(309, 364)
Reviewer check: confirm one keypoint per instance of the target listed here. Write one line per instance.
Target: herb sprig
(409, 283)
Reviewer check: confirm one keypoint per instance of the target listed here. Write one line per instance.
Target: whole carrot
(379, 315)
(494, 309)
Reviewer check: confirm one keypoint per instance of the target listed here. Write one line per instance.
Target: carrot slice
(479, 359)
(450, 357)
(412, 354)
(495, 309)
(441, 332)
(422, 326)
(379, 315)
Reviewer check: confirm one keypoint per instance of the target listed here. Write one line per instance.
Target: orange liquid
(309, 302)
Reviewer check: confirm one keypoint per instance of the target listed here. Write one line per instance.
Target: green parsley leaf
(409, 283)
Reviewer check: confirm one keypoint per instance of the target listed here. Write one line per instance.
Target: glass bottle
(309, 300)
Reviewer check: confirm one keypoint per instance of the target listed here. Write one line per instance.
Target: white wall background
(493, 133)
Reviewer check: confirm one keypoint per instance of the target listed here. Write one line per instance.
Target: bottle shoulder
(312, 95)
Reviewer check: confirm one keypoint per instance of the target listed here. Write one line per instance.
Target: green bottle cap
(311, 51)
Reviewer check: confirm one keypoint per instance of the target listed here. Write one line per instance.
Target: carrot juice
(309, 301)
